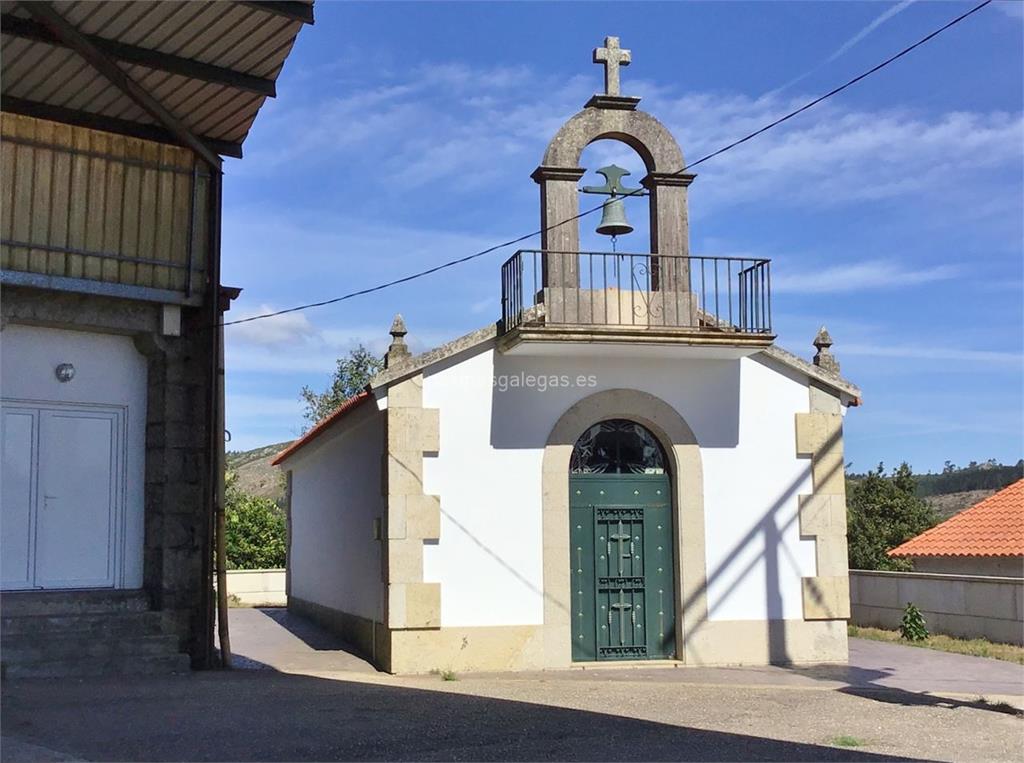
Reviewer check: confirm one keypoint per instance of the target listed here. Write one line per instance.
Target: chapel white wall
(488, 474)
(109, 370)
(336, 496)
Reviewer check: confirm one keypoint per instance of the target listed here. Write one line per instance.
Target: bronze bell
(613, 219)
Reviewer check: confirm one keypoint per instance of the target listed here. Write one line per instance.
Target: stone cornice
(654, 179)
(543, 173)
(614, 102)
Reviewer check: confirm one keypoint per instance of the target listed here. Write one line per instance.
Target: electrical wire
(712, 155)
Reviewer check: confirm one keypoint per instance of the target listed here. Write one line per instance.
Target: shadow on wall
(522, 416)
(706, 394)
(769, 530)
(262, 715)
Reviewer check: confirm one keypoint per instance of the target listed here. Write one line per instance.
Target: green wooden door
(622, 567)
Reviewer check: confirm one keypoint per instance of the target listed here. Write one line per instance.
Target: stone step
(31, 648)
(21, 603)
(120, 623)
(108, 666)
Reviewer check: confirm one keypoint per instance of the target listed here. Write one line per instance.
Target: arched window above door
(617, 446)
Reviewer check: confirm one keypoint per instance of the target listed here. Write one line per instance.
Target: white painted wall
(108, 371)
(488, 474)
(257, 588)
(336, 495)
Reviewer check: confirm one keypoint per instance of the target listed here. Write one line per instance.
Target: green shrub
(883, 512)
(255, 530)
(912, 626)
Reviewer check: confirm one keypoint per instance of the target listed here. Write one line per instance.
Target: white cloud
(935, 352)
(852, 41)
(1012, 8)
(835, 156)
(279, 329)
(859, 276)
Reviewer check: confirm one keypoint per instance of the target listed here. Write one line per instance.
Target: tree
(352, 374)
(255, 529)
(883, 512)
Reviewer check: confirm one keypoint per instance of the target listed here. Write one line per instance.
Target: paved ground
(333, 707)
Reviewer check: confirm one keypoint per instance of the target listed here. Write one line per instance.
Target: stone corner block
(423, 517)
(423, 605)
(398, 517)
(815, 430)
(826, 598)
(405, 560)
(430, 430)
(407, 393)
(822, 514)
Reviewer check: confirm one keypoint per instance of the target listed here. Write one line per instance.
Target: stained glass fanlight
(617, 446)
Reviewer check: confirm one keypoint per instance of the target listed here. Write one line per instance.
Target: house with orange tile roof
(986, 539)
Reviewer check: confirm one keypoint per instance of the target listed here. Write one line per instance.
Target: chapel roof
(994, 527)
(323, 425)
(417, 363)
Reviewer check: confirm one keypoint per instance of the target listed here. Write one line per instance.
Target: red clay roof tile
(993, 527)
(322, 426)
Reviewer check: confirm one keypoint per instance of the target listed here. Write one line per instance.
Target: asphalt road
(335, 708)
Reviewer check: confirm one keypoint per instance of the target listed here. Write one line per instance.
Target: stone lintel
(543, 173)
(655, 179)
(615, 102)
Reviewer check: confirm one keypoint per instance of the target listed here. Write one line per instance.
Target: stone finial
(398, 350)
(612, 56)
(824, 358)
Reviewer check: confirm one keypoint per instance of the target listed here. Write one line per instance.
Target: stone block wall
(178, 450)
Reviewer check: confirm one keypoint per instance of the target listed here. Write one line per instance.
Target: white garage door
(62, 495)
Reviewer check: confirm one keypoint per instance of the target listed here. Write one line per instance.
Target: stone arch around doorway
(680, 445)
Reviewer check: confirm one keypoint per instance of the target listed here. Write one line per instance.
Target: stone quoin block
(826, 598)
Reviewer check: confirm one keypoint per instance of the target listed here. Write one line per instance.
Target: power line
(712, 155)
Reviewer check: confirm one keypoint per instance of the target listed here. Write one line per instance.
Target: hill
(948, 504)
(255, 474)
(989, 475)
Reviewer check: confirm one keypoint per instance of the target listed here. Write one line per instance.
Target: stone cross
(612, 56)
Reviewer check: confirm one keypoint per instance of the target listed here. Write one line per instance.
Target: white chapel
(623, 467)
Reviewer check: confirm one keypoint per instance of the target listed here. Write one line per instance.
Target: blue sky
(404, 135)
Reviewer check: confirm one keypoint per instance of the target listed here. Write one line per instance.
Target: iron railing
(552, 288)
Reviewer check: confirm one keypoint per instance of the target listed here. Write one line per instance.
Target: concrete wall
(956, 605)
(258, 587)
(494, 426)
(1000, 566)
(336, 497)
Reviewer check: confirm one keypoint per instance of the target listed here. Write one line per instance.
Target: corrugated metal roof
(994, 527)
(238, 38)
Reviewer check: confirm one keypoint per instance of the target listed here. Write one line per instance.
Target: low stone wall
(258, 587)
(967, 606)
